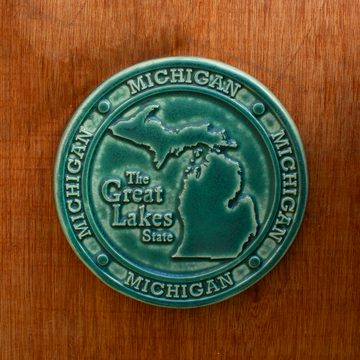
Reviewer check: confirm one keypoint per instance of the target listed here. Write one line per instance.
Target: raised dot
(104, 106)
(254, 262)
(258, 108)
(102, 259)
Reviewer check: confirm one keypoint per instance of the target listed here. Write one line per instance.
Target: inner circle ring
(87, 201)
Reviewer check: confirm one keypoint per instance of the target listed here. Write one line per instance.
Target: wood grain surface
(54, 52)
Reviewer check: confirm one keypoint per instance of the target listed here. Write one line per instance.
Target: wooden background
(54, 52)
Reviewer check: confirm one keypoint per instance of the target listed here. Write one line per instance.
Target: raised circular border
(212, 65)
(157, 274)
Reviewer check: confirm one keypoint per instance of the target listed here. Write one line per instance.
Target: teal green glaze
(180, 181)
(165, 256)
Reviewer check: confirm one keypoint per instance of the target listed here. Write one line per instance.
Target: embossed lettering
(196, 289)
(278, 139)
(78, 150)
(285, 152)
(211, 287)
(74, 209)
(288, 204)
(217, 80)
(171, 291)
(204, 79)
(188, 76)
(277, 234)
(289, 180)
(72, 188)
(283, 219)
(138, 86)
(159, 191)
(154, 288)
(148, 77)
(288, 163)
(230, 86)
(132, 282)
(145, 216)
(177, 75)
(224, 281)
(73, 166)
(183, 291)
(145, 287)
(111, 197)
(163, 80)
(81, 226)
(117, 216)
(83, 135)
